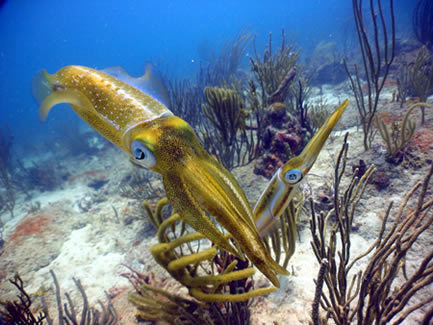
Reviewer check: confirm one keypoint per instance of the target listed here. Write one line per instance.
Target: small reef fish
(158, 140)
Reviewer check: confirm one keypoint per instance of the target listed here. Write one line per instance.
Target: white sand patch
(84, 257)
(327, 94)
(45, 198)
(71, 193)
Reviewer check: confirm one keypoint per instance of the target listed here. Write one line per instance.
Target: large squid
(195, 183)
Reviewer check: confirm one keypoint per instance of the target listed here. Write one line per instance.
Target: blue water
(174, 35)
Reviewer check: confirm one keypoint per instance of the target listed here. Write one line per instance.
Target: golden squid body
(156, 139)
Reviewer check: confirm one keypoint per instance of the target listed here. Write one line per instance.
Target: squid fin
(42, 86)
(68, 96)
(150, 83)
(46, 93)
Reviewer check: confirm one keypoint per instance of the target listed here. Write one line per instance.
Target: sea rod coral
(378, 293)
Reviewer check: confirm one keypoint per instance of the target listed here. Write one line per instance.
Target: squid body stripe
(163, 114)
(279, 200)
(235, 192)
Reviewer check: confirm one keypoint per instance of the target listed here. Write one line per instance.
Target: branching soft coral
(19, 311)
(372, 295)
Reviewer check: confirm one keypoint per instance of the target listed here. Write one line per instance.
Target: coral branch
(377, 297)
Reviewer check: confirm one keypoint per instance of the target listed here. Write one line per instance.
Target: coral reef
(237, 121)
(283, 124)
(283, 138)
(32, 226)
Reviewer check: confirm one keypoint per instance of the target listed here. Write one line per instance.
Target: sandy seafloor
(81, 236)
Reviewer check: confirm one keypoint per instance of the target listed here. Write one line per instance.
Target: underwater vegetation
(19, 312)
(377, 57)
(278, 93)
(185, 101)
(189, 101)
(222, 91)
(371, 295)
(138, 185)
(398, 136)
(186, 97)
(89, 315)
(403, 84)
(326, 65)
(225, 109)
(225, 68)
(274, 71)
(155, 304)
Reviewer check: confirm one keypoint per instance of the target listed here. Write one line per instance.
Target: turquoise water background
(176, 36)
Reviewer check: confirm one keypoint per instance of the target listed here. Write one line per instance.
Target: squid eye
(293, 176)
(142, 155)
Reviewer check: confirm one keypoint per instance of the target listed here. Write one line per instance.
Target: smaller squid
(119, 108)
(281, 188)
